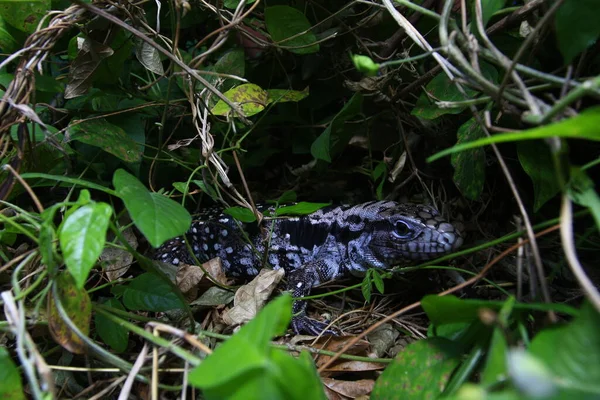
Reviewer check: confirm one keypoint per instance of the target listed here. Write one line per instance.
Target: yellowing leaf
(252, 98)
(284, 95)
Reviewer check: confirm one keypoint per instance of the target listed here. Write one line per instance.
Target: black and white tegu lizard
(328, 244)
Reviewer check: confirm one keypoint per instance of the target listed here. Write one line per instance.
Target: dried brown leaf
(348, 389)
(90, 55)
(250, 298)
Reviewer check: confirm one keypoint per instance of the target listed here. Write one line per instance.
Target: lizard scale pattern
(328, 244)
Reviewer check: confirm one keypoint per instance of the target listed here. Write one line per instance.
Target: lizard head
(401, 233)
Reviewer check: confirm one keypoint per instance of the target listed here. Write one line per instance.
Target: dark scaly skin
(328, 244)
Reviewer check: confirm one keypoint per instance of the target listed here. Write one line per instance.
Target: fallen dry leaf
(347, 389)
(189, 277)
(250, 298)
(382, 339)
(116, 261)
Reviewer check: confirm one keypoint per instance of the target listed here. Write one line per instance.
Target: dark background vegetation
(321, 125)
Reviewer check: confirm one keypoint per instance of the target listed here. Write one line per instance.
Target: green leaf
(301, 208)
(252, 98)
(440, 88)
(378, 281)
(495, 369)
(8, 43)
(78, 306)
(24, 15)
(421, 371)
(109, 137)
(284, 23)
(287, 197)
(365, 287)
(489, 7)
(233, 62)
(469, 166)
(536, 160)
(577, 26)
(583, 126)
(260, 371)
(581, 191)
(206, 188)
(572, 353)
(443, 310)
(46, 243)
(156, 216)
(285, 95)
(46, 83)
(11, 387)
(333, 138)
(82, 237)
(111, 333)
(241, 214)
(149, 292)
(234, 3)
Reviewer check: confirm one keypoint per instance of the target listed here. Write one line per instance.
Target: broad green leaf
(24, 15)
(156, 216)
(287, 197)
(583, 126)
(333, 138)
(301, 208)
(109, 137)
(421, 371)
(260, 371)
(489, 7)
(290, 29)
(469, 166)
(11, 387)
(440, 88)
(241, 214)
(252, 98)
(495, 369)
(46, 83)
(232, 62)
(572, 353)
(206, 188)
(8, 43)
(149, 292)
(284, 95)
(82, 237)
(581, 191)
(6, 78)
(536, 160)
(234, 3)
(366, 287)
(301, 371)
(577, 26)
(378, 281)
(111, 333)
(78, 306)
(448, 309)
(109, 70)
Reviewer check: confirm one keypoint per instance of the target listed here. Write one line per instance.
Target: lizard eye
(402, 229)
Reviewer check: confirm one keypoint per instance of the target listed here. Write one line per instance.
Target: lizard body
(331, 243)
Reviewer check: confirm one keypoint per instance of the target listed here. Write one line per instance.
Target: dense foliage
(119, 120)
